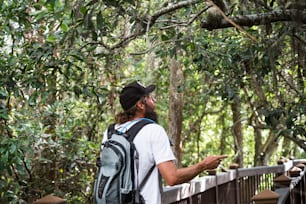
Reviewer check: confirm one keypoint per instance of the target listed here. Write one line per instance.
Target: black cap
(132, 93)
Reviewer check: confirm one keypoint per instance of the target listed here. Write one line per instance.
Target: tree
(63, 63)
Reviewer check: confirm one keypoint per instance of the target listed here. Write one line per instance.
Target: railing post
(282, 181)
(282, 186)
(265, 197)
(295, 171)
(281, 162)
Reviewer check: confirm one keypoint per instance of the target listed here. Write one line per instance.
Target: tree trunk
(269, 147)
(237, 131)
(258, 146)
(287, 148)
(223, 134)
(175, 108)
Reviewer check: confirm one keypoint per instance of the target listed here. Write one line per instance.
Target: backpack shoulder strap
(110, 130)
(132, 132)
(144, 181)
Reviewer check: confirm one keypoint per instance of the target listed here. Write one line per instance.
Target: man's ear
(140, 105)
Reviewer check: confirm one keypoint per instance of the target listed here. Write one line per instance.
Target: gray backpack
(114, 183)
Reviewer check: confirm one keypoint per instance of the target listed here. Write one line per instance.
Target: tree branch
(260, 19)
(172, 8)
(300, 142)
(148, 22)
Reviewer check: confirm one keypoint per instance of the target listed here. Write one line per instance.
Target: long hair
(125, 116)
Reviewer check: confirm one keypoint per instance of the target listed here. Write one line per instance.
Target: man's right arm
(174, 175)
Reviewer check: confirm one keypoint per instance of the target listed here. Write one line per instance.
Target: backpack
(114, 182)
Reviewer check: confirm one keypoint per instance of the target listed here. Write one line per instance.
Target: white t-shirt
(153, 146)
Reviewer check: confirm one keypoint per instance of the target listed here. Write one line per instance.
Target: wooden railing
(285, 183)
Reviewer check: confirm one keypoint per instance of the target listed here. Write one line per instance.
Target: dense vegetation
(222, 88)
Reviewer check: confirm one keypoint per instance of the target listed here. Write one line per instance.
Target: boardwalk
(280, 184)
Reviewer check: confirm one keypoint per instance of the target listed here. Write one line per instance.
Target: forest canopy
(230, 80)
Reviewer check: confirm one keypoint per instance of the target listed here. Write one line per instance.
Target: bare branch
(148, 22)
(174, 7)
(180, 23)
(232, 22)
(260, 19)
(300, 142)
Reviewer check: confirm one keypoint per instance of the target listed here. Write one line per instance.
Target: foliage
(62, 64)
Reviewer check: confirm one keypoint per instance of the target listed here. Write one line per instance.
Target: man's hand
(211, 162)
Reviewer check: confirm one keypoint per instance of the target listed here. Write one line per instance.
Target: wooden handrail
(234, 186)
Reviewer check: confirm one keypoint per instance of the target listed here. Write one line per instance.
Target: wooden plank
(259, 170)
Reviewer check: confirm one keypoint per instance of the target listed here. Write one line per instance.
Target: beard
(151, 114)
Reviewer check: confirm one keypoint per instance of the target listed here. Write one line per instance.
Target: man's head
(136, 98)
(132, 93)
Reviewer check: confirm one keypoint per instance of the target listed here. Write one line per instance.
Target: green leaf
(64, 27)
(9, 170)
(40, 14)
(51, 38)
(50, 4)
(84, 10)
(79, 57)
(4, 157)
(164, 37)
(100, 21)
(32, 99)
(3, 112)
(12, 148)
(19, 168)
(3, 95)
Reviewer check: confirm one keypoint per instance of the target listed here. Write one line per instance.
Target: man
(153, 143)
